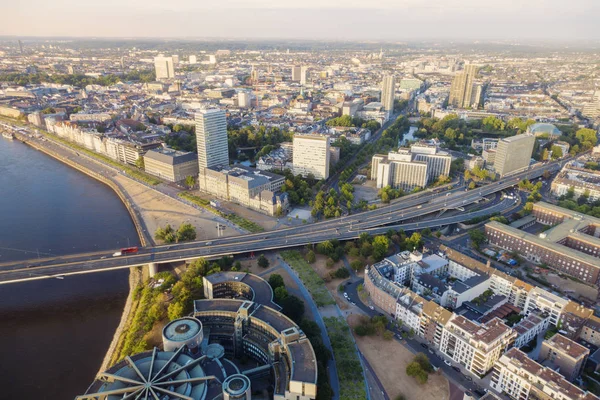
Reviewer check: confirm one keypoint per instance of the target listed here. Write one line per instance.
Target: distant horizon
(337, 20)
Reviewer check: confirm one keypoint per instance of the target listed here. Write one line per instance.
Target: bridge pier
(152, 269)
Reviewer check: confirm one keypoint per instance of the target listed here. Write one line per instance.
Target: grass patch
(236, 219)
(309, 277)
(349, 368)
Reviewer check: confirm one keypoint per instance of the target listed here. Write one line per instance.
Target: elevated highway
(393, 216)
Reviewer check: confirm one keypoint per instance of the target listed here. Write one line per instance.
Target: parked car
(456, 369)
(345, 295)
(423, 345)
(448, 363)
(371, 307)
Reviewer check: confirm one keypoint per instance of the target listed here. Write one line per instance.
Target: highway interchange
(398, 215)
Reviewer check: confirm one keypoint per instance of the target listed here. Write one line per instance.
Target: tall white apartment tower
(163, 67)
(388, 87)
(211, 138)
(303, 74)
(311, 155)
(296, 73)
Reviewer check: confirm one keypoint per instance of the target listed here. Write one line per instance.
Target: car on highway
(103, 257)
(208, 243)
(448, 363)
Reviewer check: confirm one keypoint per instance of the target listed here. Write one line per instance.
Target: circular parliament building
(237, 345)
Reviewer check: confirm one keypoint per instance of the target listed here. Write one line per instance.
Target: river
(56, 332)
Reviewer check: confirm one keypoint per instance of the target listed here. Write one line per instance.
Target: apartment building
(521, 378)
(433, 320)
(171, 165)
(564, 355)
(530, 327)
(476, 347)
(311, 155)
(409, 308)
(581, 181)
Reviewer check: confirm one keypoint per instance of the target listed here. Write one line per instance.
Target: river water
(55, 333)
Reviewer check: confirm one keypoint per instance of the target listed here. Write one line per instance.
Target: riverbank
(149, 207)
(135, 275)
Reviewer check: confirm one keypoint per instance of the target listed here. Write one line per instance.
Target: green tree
(311, 257)
(293, 307)
(176, 310)
(477, 237)
(556, 152)
(380, 247)
(356, 265)
(587, 138)
(166, 234)
(263, 262)
(186, 232)
(140, 163)
(280, 293)
(190, 181)
(276, 280)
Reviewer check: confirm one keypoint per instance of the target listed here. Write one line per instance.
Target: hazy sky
(312, 19)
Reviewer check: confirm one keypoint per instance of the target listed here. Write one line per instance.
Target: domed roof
(541, 128)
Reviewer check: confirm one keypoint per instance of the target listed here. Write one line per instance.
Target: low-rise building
(171, 165)
(257, 190)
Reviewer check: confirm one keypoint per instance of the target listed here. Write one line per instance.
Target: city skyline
(261, 19)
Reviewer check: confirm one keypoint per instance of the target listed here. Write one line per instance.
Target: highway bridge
(398, 215)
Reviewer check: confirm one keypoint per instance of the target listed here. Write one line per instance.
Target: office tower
(192, 59)
(21, 46)
(513, 154)
(388, 86)
(461, 90)
(244, 99)
(122, 62)
(296, 73)
(175, 58)
(303, 74)
(437, 164)
(592, 109)
(212, 59)
(211, 138)
(254, 75)
(311, 156)
(164, 67)
(476, 96)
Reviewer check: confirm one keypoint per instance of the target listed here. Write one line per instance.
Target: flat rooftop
(263, 293)
(546, 243)
(567, 346)
(304, 363)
